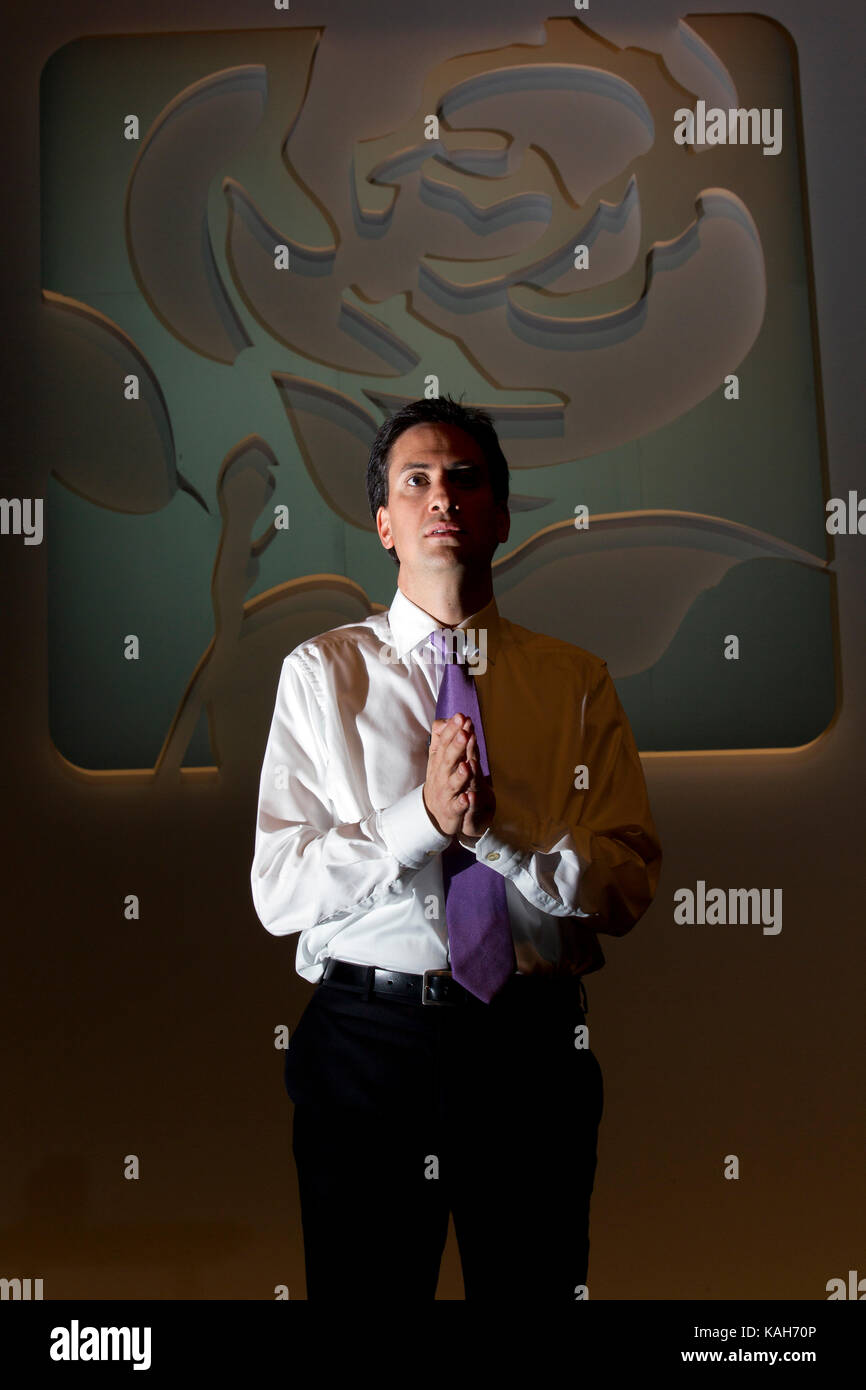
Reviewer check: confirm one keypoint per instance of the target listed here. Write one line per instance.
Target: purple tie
(476, 911)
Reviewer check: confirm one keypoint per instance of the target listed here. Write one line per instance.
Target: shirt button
(494, 855)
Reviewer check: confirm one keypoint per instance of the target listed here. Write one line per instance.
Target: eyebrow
(458, 463)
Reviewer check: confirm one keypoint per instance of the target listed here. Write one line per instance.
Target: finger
(461, 774)
(471, 756)
(447, 731)
(441, 731)
(453, 749)
(442, 741)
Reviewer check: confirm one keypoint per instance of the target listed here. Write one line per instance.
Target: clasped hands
(458, 797)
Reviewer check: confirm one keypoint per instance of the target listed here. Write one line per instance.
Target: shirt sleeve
(602, 861)
(307, 867)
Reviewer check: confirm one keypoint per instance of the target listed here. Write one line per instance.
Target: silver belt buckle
(424, 987)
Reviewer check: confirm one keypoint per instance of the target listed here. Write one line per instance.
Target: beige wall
(155, 1038)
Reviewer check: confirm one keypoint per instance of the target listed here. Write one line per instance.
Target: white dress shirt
(346, 854)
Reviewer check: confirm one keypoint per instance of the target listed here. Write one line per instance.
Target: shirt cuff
(408, 831)
(497, 853)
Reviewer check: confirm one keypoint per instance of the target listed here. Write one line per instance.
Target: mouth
(445, 530)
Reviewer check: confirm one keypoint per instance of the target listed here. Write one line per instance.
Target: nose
(443, 495)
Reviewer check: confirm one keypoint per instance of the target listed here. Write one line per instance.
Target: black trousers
(404, 1113)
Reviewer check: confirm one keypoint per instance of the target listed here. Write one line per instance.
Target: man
(451, 809)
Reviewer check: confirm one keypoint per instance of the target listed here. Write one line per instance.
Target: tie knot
(442, 640)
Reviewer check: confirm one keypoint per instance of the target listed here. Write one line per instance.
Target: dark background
(155, 1038)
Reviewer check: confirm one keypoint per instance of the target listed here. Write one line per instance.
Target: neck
(451, 599)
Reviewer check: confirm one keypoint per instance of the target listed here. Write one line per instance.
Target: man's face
(438, 477)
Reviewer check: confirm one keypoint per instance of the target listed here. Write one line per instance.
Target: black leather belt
(432, 987)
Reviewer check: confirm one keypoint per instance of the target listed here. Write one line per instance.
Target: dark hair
(438, 410)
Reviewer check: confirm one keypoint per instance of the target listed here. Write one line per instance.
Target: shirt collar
(411, 625)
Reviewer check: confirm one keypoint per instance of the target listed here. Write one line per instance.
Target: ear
(383, 526)
(503, 522)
